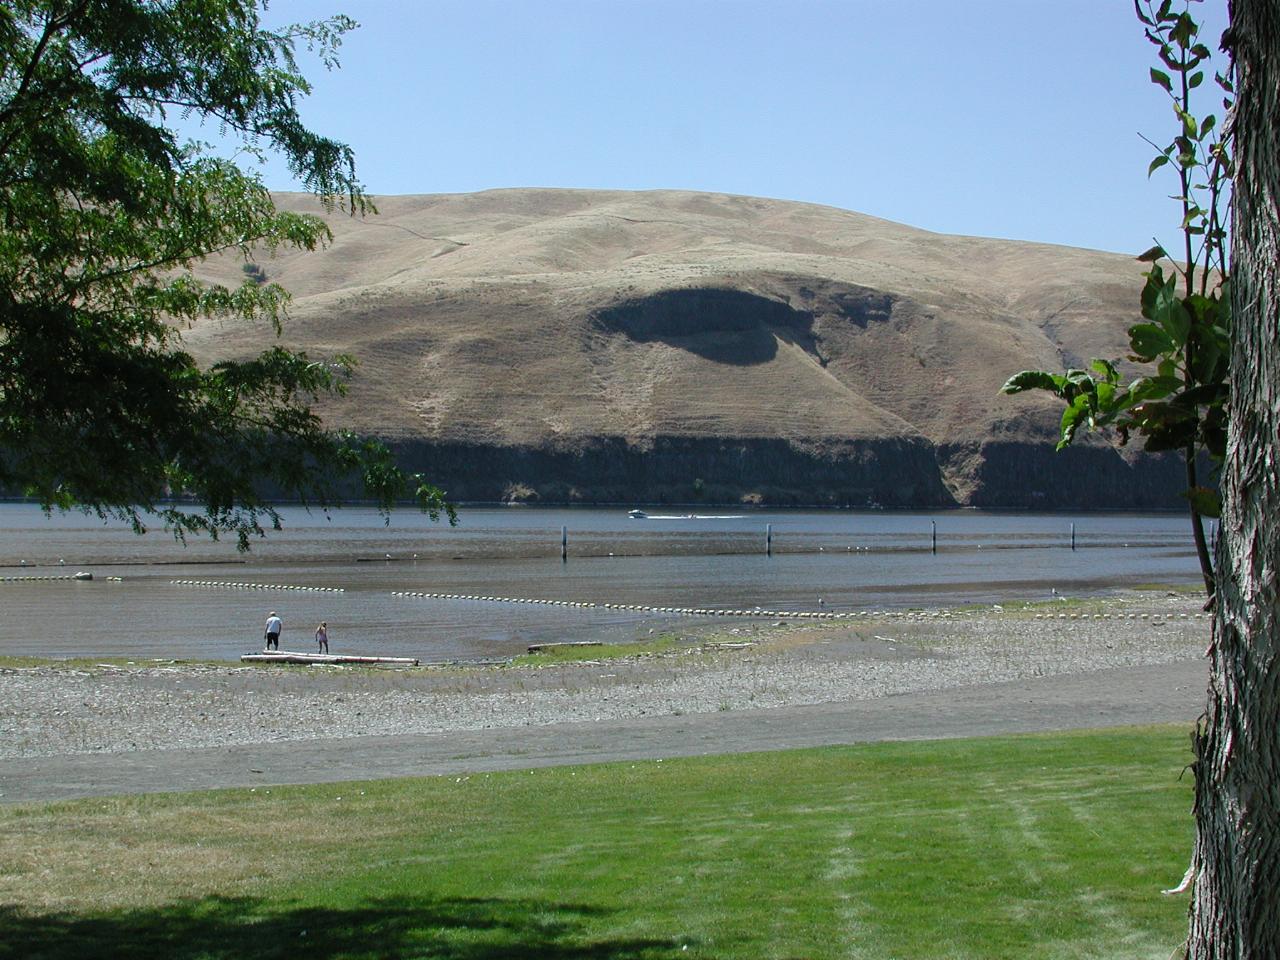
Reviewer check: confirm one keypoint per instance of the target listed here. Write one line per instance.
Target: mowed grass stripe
(1046, 846)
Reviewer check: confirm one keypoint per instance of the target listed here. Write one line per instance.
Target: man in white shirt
(272, 633)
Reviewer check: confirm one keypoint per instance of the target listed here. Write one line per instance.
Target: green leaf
(1204, 395)
(1150, 290)
(1184, 31)
(1161, 304)
(1105, 369)
(1148, 341)
(1174, 436)
(1153, 388)
(1071, 418)
(1163, 413)
(1204, 501)
(1031, 380)
(1156, 252)
(1213, 432)
(1176, 322)
(1106, 395)
(1160, 78)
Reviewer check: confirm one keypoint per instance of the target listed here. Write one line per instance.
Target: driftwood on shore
(287, 656)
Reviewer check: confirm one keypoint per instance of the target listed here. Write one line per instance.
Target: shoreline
(411, 506)
(76, 708)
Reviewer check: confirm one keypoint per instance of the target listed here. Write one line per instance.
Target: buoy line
(1124, 616)
(782, 614)
(255, 586)
(634, 607)
(67, 576)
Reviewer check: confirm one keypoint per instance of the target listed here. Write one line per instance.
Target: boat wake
(692, 516)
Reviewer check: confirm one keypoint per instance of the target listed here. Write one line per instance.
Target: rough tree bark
(1235, 908)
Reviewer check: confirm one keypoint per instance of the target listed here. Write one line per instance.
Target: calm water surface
(852, 560)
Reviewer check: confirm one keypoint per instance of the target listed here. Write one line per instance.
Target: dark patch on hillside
(861, 306)
(723, 325)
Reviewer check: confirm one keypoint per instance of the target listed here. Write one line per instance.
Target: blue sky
(1004, 118)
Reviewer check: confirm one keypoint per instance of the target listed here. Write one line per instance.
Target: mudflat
(75, 729)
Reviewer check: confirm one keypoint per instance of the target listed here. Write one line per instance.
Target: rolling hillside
(576, 345)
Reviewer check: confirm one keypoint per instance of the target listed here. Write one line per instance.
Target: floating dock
(288, 656)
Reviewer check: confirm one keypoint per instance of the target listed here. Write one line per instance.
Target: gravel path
(63, 728)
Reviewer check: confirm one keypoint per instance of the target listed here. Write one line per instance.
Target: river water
(852, 560)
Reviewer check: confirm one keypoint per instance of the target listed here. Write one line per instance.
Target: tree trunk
(1235, 908)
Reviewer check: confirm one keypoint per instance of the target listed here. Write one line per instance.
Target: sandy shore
(55, 710)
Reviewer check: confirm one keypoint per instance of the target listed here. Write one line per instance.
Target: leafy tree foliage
(1181, 403)
(103, 213)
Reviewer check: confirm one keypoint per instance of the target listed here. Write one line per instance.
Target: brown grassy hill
(668, 345)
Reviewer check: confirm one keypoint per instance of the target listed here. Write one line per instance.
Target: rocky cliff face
(891, 472)
(594, 346)
(871, 473)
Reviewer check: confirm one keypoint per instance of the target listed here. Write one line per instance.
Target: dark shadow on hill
(222, 928)
(722, 325)
(736, 327)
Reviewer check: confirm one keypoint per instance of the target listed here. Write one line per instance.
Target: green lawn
(1047, 847)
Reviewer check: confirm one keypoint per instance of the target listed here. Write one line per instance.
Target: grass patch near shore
(1048, 846)
(664, 644)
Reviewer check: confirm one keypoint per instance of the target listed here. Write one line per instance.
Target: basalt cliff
(666, 346)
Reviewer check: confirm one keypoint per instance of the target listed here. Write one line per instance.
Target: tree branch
(52, 27)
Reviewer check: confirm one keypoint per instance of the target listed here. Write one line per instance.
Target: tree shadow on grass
(221, 928)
